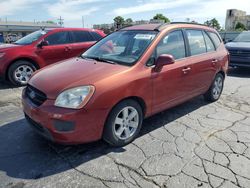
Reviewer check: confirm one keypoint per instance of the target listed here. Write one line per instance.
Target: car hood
(8, 46)
(54, 79)
(237, 45)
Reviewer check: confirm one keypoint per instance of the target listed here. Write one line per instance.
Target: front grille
(35, 96)
(240, 53)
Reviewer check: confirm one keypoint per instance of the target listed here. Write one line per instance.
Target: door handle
(215, 61)
(186, 70)
(67, 48)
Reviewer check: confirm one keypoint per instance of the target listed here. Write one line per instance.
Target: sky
(103, 11)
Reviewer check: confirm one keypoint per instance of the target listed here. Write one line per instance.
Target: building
(20, 29)
(234, 16)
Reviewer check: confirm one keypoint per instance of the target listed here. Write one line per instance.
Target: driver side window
(172, 44)
(58, 38)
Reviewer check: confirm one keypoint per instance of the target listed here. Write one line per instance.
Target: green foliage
(161, 17)
(213, 23)
(129, 20)
(240, 27)
(119, 20)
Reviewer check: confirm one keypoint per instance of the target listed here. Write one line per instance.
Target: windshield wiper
(99, 59)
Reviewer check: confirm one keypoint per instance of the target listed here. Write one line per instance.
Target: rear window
(82, 36)
(215, 39)
(96, 36)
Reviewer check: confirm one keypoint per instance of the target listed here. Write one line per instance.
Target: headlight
(75, 98)
(2, 54)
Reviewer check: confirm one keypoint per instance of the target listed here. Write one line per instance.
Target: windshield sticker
(144, 36)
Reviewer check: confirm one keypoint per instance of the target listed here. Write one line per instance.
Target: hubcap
(218, 84)
(23, 73)
(126, 123)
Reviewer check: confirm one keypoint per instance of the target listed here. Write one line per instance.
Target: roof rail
(188, 23)
(160, 26)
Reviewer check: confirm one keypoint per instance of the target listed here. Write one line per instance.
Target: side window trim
(216, 48)
(205, 33)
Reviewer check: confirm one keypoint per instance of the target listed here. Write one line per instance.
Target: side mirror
(163, 60)
(43, 43)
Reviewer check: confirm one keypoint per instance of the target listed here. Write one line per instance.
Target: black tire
(14, 67)
(109, 130)
(209, 95)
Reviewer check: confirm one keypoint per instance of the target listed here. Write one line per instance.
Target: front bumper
(51, 122)
(239, 61)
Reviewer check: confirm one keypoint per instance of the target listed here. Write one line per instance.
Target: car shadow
(24, 154)
(5, 85)
(239, 72)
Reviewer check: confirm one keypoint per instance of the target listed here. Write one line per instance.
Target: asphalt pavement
(196, 144)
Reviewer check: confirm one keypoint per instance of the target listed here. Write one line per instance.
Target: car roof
(172, 25)
(69, 29)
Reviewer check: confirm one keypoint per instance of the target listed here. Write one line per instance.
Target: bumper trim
(39, 128)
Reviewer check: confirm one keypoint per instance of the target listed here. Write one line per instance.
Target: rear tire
(123, 124)
(20, 72)
(215, 90)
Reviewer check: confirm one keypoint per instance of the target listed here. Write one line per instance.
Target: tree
(195, 22)
(213, 23)
(119, 21)
(161, 17)
(50, 22)
(129, 21)
(240, 27)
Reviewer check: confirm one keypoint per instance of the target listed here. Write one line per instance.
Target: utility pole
(60, 21)
(82, 22)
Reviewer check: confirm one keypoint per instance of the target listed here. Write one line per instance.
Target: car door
(58, 48)
(171, 85)
(82, 40)
(203, 55)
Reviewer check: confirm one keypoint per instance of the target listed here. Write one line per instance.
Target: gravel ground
(193, 145)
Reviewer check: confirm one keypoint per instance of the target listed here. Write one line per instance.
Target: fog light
(64, 126)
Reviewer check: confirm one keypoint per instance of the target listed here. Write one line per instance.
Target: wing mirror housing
(163, 60)
(43, 43)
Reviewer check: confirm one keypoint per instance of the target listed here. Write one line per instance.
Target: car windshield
(243, 37)
(31, 37)
(122, 47)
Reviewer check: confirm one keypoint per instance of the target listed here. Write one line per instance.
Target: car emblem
(32, 94)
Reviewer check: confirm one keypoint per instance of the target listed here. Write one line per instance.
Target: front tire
(20, 72)
(123, 124)
(215, 90)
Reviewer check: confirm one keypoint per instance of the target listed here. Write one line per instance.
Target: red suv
(19, 60)
(127, 76)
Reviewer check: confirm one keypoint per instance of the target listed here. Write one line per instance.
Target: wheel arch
(20, 59)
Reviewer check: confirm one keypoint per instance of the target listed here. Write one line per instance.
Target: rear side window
(172, 44)
(96, 36)
(82, 36)
(215, 39)
(209, 43)
(58, 38)
(196, 42)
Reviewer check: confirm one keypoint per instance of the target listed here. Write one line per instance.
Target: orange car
(127, 76)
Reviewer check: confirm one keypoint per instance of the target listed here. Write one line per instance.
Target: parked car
(228, 36)
(129, 75)
(36, 50)
(239, 50)
(10, 38)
